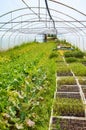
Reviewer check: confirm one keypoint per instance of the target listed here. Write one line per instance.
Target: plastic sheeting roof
(21, 18)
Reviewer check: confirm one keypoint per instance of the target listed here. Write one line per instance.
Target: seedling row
(68, 107)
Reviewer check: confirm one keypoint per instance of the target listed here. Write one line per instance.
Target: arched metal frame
(39, 19)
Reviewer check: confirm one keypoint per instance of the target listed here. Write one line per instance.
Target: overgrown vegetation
(27, 84)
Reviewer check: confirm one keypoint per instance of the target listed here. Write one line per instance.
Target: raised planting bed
(71, 59)
(75, 95)
(68, 80)
(68, 123)
(64, 71)
(68, 88)
(61, 64)
(53, 55)
(84, 63)
(82, 80)
(68, 107)
(78, 68)
(75, 53)
(84, 90)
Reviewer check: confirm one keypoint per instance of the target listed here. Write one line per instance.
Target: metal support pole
(39, 9)
(83, 43)
(11, 20)
(79, 42)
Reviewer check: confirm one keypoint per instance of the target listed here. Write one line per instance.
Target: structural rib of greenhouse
(32, 19)
(43, 65)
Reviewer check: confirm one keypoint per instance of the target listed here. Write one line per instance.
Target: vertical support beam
(39, 9)
(45, 37)
(11, 20)
(46, 19)
(21, 23)
(79, 42)
(9, 40)
(83, 43)
(0, 43)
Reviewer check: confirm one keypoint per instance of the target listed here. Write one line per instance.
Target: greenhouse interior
(43, 65)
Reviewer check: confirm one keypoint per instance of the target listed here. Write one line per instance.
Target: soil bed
(84, 63)
(69, 80)
(75, 95)
(84, 90)
(66, 123)
(68, 88)
(68, 107)
(64, 74)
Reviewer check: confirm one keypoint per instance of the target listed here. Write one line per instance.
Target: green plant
(82, 60)
(59, 59)
(64, 71)
(82, 80)
(26, 93)
(61, 64)
(57, 125)
(68, 107)
(68, 80)
(76, 54)
(78, 68)
(53, 55)
(71, 59)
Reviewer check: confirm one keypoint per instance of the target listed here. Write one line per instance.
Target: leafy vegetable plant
(27, 84)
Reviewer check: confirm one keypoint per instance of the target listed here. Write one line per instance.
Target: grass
(27, 84)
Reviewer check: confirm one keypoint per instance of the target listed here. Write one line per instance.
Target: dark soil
(69, 95)
(68, 88)
(84, 90)
(68, 124)
(72, 113)
(84, 63)
(64, 74)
